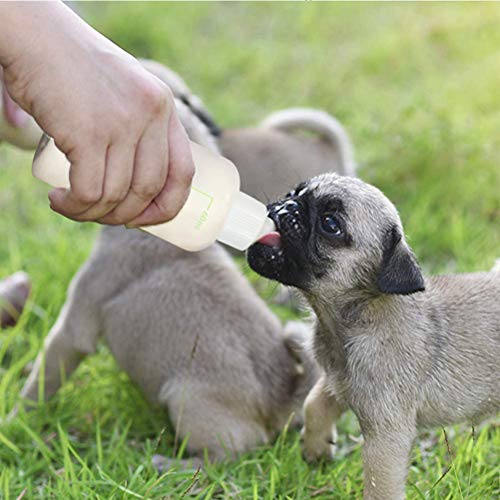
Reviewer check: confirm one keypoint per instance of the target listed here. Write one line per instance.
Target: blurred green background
(416, 85)
(417, 88)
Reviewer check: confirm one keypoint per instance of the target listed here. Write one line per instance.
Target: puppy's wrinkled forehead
(348, 189)
(361, 202)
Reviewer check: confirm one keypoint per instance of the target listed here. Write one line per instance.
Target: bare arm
(116, 123)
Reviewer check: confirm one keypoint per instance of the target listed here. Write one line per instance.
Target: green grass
(416, 87)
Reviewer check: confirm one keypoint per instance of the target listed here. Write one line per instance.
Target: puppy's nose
(286, 207)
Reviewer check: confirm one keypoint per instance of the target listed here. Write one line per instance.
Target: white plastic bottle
(215, 209)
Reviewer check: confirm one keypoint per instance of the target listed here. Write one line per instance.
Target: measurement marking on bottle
(209, 196)
(204, 214)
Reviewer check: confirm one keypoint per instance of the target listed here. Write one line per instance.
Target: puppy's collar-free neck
(344, 313)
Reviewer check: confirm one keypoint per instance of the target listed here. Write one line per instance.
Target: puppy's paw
(316, 447)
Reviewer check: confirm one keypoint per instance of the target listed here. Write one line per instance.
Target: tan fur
(216, 358)
(399, 357)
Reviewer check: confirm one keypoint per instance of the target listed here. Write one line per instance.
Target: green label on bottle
(204, 214)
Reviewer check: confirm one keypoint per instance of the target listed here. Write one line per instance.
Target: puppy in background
(287, 147)
(401, 351)
(190, 331)
(187, 328)
(14, 292)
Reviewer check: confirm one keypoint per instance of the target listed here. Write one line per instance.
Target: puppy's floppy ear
(400, 272)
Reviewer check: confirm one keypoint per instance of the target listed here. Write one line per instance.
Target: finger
(86, 179)
(181, 169)
(149, 173)
(117, 182)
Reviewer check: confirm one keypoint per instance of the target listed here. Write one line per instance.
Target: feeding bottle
(216, 209)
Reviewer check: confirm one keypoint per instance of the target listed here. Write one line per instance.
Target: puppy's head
(337, 233)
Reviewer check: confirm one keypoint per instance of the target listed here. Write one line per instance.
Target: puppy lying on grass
(187, 327)
(399, 350)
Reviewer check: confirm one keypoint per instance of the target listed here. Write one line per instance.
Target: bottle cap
(245, 223)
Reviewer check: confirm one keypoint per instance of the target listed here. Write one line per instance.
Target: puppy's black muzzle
(287, 263)
(289, 217)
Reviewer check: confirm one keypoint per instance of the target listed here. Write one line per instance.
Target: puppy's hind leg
(321, 411)
(215, 424)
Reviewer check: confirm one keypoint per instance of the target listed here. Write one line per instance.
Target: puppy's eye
(331, 225)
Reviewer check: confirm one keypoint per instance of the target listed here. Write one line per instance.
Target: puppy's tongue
(272, 239)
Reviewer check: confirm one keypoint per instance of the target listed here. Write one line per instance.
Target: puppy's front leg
(385, 462)
(321, 411)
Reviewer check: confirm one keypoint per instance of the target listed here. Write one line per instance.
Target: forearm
(29, 28)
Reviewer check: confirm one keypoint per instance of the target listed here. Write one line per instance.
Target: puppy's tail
(298, 336)
(318, 122)
(496, 266)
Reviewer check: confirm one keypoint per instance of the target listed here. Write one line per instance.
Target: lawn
(417, 87)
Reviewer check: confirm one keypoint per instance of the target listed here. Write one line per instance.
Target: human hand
(130, 157)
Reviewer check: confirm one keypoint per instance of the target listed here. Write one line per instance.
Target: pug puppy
(191, 332)
(402, 351)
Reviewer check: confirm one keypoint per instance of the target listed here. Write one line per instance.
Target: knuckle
(112, 219)
(124, 115)
(87, 195)
(146, 191)
(156, 96)
(162, 217)
(182, 172)
(115, 197)
(181, 181)
(169, 211)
